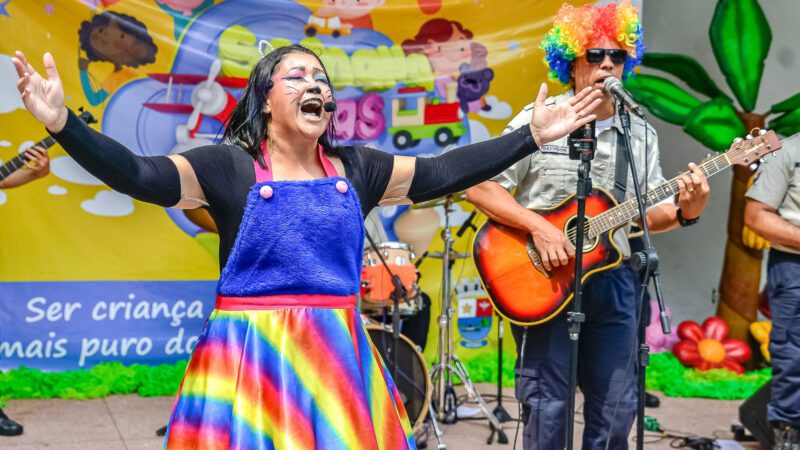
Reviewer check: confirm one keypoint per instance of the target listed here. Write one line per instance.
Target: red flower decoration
(709, 347)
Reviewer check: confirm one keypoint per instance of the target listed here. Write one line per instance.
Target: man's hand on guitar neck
(693, 194)
(37, 166)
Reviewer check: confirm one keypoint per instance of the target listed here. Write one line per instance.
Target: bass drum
(413, 381)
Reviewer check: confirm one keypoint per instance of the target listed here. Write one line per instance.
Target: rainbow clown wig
(576, 29)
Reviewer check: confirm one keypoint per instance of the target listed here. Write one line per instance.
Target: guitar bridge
(536, 257)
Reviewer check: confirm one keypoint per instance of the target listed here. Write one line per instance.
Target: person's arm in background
(37, 166)
(766, 195)
(764, 220)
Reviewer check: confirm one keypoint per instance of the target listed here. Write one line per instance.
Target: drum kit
(389, 287)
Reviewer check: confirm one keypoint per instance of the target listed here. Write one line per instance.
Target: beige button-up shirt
(547, 177)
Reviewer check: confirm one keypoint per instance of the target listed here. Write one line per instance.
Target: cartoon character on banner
(183, 11)
(119, 39)
(473, 81)
(474, 313)
(447, 45)
(339, 17)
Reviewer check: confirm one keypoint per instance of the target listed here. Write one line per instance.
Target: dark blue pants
(783, 286)
(606, 367)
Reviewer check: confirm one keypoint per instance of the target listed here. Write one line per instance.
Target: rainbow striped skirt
(296, 378)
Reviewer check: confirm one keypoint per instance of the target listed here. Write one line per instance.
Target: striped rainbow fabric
(300, 378)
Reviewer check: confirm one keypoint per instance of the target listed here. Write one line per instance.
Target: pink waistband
(227, 303)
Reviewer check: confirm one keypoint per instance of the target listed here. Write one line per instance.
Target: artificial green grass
(665, 373)
(99, 381)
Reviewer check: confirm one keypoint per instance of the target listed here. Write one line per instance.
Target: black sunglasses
(597, 55)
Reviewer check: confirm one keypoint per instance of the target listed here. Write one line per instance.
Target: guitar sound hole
(570, 229)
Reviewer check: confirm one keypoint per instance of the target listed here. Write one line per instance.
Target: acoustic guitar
(509, 263)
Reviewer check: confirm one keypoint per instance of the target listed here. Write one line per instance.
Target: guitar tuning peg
(762, 132)
(749, 137)
(753, 167)
(737, 140)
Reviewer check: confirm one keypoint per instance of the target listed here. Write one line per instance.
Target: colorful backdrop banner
(411, 77)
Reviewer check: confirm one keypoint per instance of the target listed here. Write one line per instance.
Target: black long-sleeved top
(226, 172)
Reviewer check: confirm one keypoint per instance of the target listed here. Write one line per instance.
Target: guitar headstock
(753, 147)
(86, 116)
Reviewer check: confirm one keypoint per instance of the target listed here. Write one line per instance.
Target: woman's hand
(551, 122)
(44, 98)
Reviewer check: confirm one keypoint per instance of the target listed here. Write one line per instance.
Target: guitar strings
(673, 184)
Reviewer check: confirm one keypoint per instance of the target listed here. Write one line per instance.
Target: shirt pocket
(557, 180)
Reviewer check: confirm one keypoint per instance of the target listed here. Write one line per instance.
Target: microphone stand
(499, 412)
(586, 147)
(645, 262)
(398, 292)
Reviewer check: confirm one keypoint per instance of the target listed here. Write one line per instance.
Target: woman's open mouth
(311, 108)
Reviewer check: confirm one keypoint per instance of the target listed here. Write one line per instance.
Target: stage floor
(129, 422)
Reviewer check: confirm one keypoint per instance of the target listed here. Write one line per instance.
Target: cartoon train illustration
(417, 114)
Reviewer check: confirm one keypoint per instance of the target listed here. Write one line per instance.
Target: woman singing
(284, 360)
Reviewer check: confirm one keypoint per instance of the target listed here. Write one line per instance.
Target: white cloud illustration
(24, 146)
(10, 99)
(108, 204)
(478, 132)
(57, 190)
(500, 110)
(5, 143)
(3, 197)
(67, 169)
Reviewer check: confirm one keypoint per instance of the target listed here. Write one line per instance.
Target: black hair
(247, 125)
(128, 24)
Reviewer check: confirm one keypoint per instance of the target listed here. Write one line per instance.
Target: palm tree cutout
(740, 37)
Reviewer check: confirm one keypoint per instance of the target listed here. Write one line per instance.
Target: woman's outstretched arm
(160, 179)
(421, 179)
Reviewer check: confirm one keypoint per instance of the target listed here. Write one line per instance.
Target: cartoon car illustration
(417, 115)
(326, 25)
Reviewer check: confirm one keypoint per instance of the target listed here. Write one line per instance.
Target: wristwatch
(684, 221)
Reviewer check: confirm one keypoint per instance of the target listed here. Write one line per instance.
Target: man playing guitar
(606, 361)
(37, 166)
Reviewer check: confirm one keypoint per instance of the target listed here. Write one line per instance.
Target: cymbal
(457, 197)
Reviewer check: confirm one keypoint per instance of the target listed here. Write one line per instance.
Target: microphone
(614, 86)
(329, 107)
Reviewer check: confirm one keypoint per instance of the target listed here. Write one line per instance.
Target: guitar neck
(629, 209)
(18, 161)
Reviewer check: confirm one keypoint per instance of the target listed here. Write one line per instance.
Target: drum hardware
(377, 284)
(448, 363)
(398, 292)
(458, 197)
